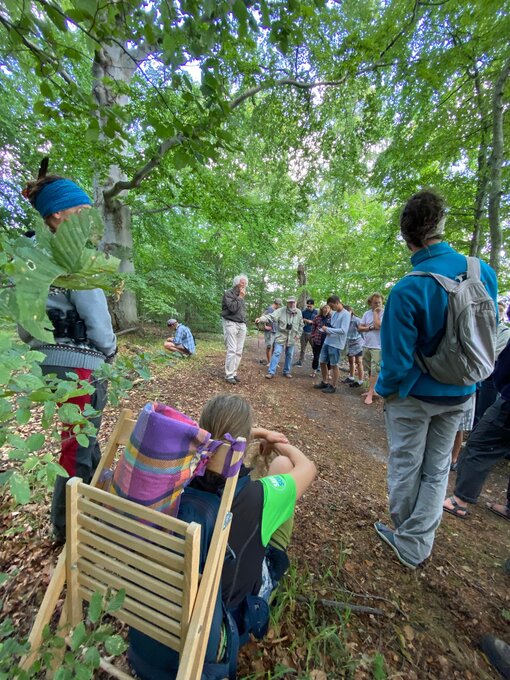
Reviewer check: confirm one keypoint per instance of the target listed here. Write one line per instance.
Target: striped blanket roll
(163, 453)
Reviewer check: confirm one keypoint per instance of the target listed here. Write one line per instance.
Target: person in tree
(371, 327)
(354, 351)
(309, 314)
(233, 312)
(262, 520)
(289, 323)
(422, 414)
(83, 339)
(182, 341)
(270, 329)
(335, 342)
(323, 318)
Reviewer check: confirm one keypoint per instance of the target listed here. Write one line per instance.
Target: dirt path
(432, 617)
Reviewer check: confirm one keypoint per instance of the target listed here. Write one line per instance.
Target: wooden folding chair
(113, 543)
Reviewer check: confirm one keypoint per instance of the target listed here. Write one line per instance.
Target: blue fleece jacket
(415, 320)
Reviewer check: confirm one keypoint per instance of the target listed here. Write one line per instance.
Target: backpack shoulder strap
(473, 268)
(448, 284)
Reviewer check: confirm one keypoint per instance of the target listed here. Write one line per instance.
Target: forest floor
(429, 621)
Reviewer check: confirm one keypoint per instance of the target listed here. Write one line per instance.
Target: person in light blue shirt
(182, 341)
(422, 415)
(336, 339)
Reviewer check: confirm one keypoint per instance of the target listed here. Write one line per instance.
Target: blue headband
(59, 195)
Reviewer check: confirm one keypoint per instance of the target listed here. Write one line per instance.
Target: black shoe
(320, 386)
(231, 381)
(299, 363)
(356, 384)
(498, 654)
(329, 389)
(237, 379)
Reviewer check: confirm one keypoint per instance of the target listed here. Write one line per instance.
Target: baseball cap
(291, 299)
(171, 322)
(278, 301)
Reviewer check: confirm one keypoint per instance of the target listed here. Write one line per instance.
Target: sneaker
(329, 389)
(231, 381)
(237, 379)
(299, 363)
(348, 380)
(498, 654)
(287, 375)
(387, 535)
(453, 467)
(356, 383)
(269, 376)
(320, 386)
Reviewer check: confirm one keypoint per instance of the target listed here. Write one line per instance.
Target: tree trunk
(482, 179)
(495, 163)
(301, 277)
(112, 61)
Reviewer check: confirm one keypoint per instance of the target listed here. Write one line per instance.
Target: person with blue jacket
(422, 415)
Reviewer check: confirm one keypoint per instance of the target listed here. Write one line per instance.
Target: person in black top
(233, 312)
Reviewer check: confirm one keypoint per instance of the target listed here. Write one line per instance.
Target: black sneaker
(348, 380)
(231, 381)
(498, 654)
(320, 386)
(329, 390)
(237, 379)
(299, 363)
(356, 384)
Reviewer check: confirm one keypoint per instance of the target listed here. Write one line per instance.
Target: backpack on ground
(467, 351)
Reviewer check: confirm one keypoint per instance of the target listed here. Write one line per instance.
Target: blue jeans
(275, 359)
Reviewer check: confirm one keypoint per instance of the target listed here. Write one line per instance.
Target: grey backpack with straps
(467, 351)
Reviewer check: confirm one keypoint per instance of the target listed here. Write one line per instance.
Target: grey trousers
(420, 439)
(234, 335)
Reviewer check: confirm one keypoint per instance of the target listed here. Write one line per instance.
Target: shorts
(466, 424)
(330, 355)
(269, 338)
(354, 352)
(371, 360)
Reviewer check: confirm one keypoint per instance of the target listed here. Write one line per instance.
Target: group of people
(395, 346)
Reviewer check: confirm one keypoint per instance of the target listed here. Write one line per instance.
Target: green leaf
(20, 488)
(115, 645)
(79, 636)
(95, 607)
(35, 441)
(83, 673)
(23, 416)
(117, 601)
(45, 89)
(92, 657)
(93, 131)
(3, 578)
(82, 440)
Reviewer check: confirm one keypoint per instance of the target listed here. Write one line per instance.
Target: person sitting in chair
(263, 511)
(182, 341)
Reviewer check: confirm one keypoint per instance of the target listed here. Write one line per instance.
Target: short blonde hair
(369, 300)
(227, 413)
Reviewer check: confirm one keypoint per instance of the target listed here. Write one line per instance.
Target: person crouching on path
(182, 341)
(233, 311)
(422, 414)
(84, 339)
(289, 327)
(336, 339)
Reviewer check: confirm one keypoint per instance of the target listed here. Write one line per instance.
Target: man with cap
(270, 329)
(83, 339)
(289, 326)
(182, 341)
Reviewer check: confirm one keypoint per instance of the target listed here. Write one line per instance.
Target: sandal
(457, 510)
(492, 507)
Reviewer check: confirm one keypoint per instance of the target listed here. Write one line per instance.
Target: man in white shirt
(371, 326)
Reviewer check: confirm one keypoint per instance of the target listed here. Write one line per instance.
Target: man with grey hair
(233, 312)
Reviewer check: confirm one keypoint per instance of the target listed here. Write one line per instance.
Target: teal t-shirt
(279, 503)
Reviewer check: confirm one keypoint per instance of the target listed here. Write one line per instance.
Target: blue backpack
(152, 660)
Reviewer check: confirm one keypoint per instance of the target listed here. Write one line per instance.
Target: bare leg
(351, 367)
(324, 373)
(335, 372)
(268, 354)
(371, 387)
(456, 446)
(359, 366)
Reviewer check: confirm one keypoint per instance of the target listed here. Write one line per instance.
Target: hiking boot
(348, 380)
(329, 390)
(237, 379)
(287, 375)
(299, 363)
(269, 376)
(498, 654)
(387, 535)
(356, 383)
(231, 381)
(320, 386)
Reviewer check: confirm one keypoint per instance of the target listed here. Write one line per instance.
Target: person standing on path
(270, 329)
(371, 326)
(354, 351)
(233, 312)
(309, 314)
(318, 337)
(336, 338)
(83, 341)
(290, 324)
(422, 414)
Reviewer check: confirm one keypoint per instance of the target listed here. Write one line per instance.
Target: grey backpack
(467, 351)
